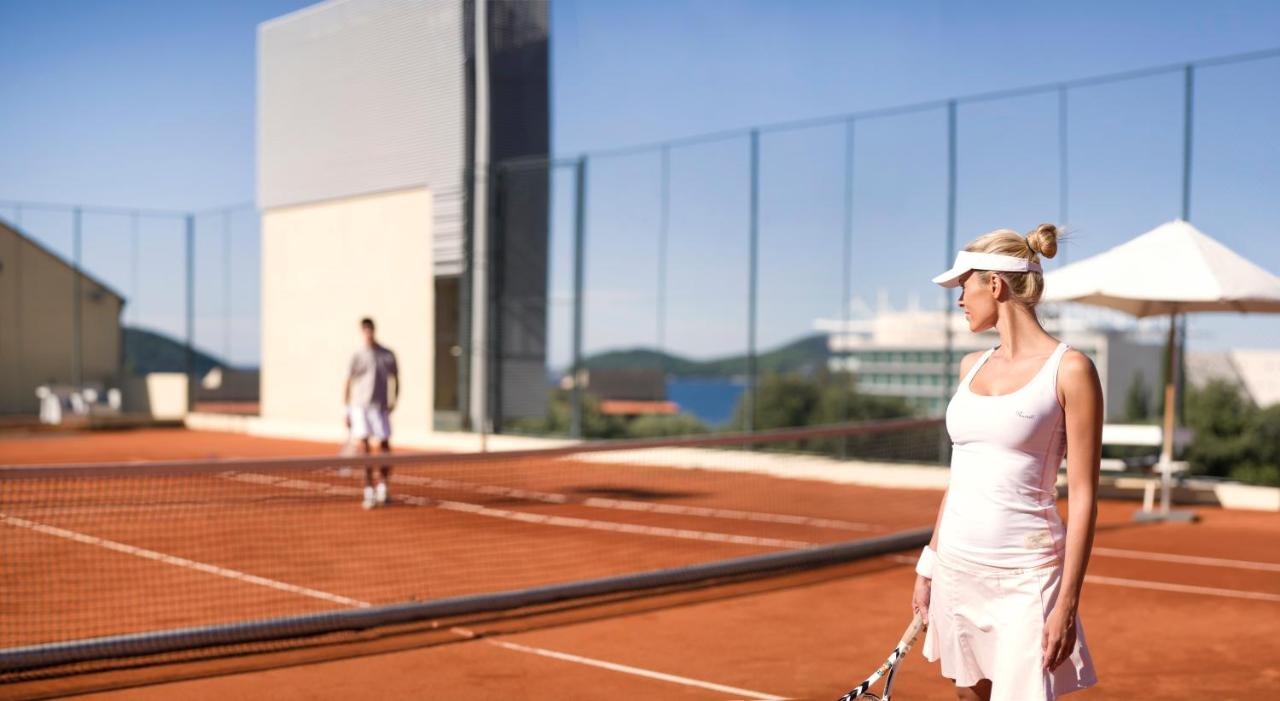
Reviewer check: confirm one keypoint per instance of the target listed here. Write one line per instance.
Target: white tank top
(1006, 450)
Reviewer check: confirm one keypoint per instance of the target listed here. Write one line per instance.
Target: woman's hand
(1059, 637)
(920, 597)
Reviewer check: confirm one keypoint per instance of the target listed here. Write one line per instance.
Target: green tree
(559, 414)
(597, 425)
(1264, 434)
(659, 426)
(824, 398)
(1263, 438)
(782, 401)
(795, 400)
(841, 401)
(1220, 417)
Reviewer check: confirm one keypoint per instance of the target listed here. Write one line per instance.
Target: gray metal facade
(364, 96)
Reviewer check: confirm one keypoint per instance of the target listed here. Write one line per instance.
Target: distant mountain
(147, 351)
(804, 356)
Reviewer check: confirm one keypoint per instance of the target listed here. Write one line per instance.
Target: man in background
(369, 403)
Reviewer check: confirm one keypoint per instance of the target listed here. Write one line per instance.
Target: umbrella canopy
(1174, 268)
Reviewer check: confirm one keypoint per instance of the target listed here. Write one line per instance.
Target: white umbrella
(1172, 269)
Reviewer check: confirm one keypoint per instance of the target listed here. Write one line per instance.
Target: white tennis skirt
(987, 622)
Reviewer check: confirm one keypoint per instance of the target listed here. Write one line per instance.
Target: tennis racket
(890, 666)
(349, 448)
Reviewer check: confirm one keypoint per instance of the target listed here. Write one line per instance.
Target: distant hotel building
(901, 354)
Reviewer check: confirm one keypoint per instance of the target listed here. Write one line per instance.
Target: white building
(378, 121)
(901, 353)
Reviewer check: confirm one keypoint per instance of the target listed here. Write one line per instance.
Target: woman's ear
(998, 287)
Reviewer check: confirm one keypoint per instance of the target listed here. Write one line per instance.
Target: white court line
(631, 505)
(615, 527)
(540, 519)
(734, 514)
(636, 671)
(495, 490)
(1187, 559)
(1157, 586)
(181, 561)
(1182, 588)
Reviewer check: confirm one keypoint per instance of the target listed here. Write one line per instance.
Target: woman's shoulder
(1076, 372)
(1075, 362)
(968, 360)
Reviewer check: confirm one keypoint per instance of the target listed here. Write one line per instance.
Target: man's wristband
(924, 566)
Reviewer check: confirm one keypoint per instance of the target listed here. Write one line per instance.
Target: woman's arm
(922, 593)
(1081, 396)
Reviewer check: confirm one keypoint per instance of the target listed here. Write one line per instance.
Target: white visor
(968, 260)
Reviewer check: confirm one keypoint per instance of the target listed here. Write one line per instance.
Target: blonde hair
(1026, 288)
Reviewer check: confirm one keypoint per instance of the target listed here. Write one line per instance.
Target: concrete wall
(37, 324)
(1125, 360)
(324, 267)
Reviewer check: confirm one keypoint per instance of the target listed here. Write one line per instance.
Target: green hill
(147, 351)
(804, 356)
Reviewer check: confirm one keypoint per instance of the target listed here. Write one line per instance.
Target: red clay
(808, 639)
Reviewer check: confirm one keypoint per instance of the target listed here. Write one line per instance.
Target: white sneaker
(380, 495)
(369, 500)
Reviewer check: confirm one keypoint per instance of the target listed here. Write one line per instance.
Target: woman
(1000, 581)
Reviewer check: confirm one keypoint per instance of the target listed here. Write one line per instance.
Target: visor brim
(951, 278)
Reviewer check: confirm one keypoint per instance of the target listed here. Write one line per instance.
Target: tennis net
(117, 560)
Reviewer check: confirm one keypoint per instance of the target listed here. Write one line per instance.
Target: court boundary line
(534, 518)
(1187, 559)
(632, 505)
(1154, 585)
(1181, 588)
(634, 671)
(183, 562)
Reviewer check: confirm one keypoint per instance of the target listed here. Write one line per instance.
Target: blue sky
(151, 104)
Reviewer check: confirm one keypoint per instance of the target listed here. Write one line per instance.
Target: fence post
(663, 232)
(846, 288)
(77, 309)
(1063, 168)
(190, 221)
(579, 254)
(752, 282)
(948, 367)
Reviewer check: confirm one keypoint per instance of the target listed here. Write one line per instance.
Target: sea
(711, 400)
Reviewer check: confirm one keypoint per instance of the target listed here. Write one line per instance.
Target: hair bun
(1044, 240)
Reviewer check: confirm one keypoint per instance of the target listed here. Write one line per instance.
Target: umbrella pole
(1171, 358)
(1166, 445)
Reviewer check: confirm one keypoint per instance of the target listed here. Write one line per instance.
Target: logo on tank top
(1039, 539)
(1025, 415)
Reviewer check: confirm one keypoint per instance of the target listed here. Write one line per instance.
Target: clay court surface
(1168, 608)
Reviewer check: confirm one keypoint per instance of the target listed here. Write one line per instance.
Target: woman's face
(978, 300)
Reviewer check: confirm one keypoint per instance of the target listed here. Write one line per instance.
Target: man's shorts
(369, 422)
